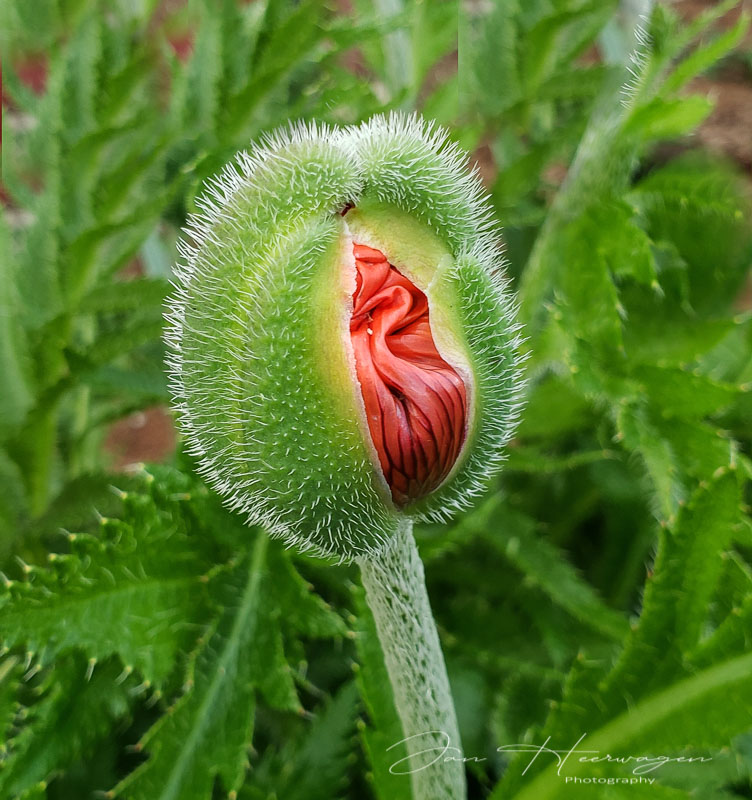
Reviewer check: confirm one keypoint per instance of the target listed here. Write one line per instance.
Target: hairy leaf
(79, 704)
(102, 594)
(206, 734)
(313, 766)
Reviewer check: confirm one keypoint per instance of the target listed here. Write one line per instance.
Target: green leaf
(204, 72)
(638, 432)
(126, 295)
(704, 56)
(679, 392)
(544, 566)
(287, 44)
(136, 331)
(79, 705)
(667, 119)
(559, 37)
(572, 410)
(589, 303)
(240, 28)
(691, 563)
(13, 502)
(315, 765)
(37, 271)
(692, 185)
(520, 174)
(690, 337)
(528, 459)
(735, 584)
(11, 672)
(101, 596)
(565, 84)
(208, 731)
(305, 611)
(127, 89)
(206, 734)
(139, 384)
(701, 24)
(567, 717)
(704, 711)
(677, 594)
(700, 448)
(626, 248)
(433, 34)
(80, 502)
(17, 395)
(732, 637)
(23, 24)
(607, 156)
(488, 58)
(37, 792)
(80, 90)
(731, 358)
(693, 203)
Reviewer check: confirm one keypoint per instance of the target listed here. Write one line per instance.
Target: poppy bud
(342, 348)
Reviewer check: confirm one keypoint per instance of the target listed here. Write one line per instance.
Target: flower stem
(396, 593)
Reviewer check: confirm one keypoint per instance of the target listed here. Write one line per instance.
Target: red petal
(416, 403)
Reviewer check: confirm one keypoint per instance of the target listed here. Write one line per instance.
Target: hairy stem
(602, 168)
(396, 593)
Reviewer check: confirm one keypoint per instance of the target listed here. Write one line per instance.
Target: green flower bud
(325, 449)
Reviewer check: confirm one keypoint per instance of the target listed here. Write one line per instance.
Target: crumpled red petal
(416, 403)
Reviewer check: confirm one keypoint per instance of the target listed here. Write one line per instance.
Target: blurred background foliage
(151, 646)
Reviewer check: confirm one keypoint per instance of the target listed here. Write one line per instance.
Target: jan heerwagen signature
(438, 749)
